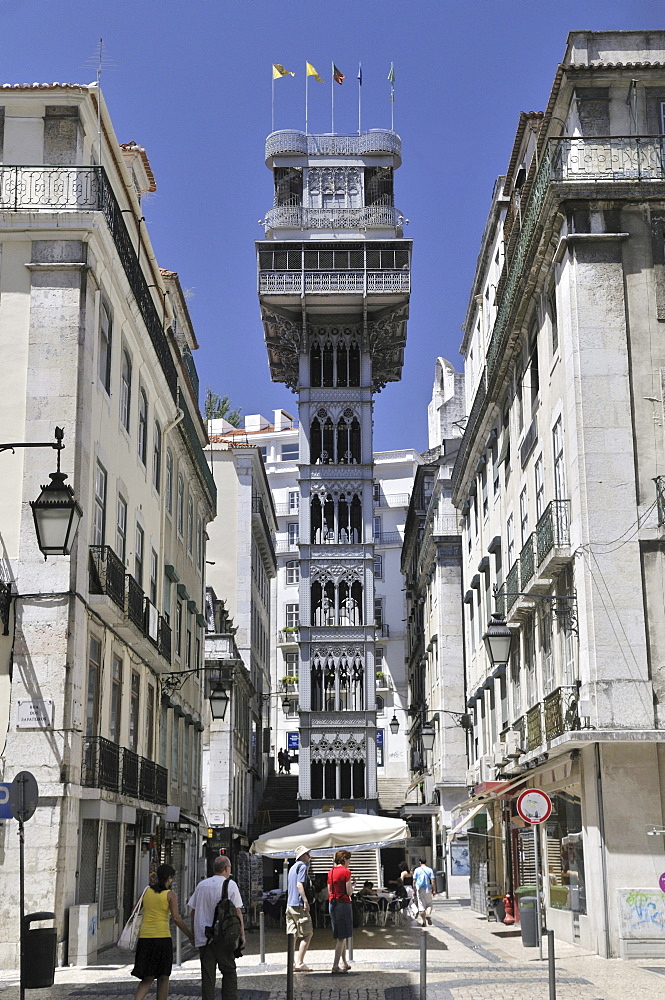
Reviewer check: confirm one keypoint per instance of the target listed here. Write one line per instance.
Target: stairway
(279, 805)
(392, 794)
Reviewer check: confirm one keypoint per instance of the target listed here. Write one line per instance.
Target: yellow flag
(278, 70)
(312, 72)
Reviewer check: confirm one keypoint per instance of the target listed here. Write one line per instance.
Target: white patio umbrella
(332, 831)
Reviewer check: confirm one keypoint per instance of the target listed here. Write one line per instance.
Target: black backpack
(225, 928)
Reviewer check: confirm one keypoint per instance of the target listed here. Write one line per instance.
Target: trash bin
(441, 881)
(39, 952)
(529, 921)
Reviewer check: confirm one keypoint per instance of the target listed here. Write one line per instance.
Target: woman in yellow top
(154, 953)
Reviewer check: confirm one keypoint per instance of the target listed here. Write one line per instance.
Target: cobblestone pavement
(467, 959)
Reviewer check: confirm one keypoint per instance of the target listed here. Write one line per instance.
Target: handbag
(130, 932)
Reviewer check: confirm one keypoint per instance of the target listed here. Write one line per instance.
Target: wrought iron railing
(299, 217)
(164, 639)
(101, 764)
(512, 586)
(135, 603)
(38, 188)
(107, 574)
(286, 544)
(534, 727)
(392, 500)
(297, 282)
(565, 159)
(388, 538)
(500, 601)
(560, 709)
(519, 726)
(190, 368)
(383, 630)
(294, 141)
(553, 528)
(130, 772)
(161, 784)
(445, 524)
(527, 560)
(259, 508)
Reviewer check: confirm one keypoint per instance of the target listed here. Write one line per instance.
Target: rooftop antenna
(100, 61)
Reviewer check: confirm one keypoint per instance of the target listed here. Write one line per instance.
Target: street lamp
(56, 512)
(497, 639)
(428, 735)
(219, 700)
(394, 725)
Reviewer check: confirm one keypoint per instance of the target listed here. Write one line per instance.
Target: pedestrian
(287, 762)
(298, 917)
(154, 951)
(423, 880)
(213, 955)
(340, 889)
(280, 761)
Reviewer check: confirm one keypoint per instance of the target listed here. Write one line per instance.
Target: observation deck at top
(295, 143)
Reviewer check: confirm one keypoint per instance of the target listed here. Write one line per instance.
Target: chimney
(255, 422)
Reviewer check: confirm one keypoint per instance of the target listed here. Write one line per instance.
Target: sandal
(338, 972)
(301, 968)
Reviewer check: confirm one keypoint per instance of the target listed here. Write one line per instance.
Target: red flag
(338, 76)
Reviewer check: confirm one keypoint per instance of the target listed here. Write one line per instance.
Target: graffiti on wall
(641, 913)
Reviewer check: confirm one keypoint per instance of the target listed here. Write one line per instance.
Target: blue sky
(190, 81)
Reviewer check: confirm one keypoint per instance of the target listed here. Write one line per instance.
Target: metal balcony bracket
(5, 604)
(564, 606)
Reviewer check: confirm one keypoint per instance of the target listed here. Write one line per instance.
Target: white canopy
(332, 831)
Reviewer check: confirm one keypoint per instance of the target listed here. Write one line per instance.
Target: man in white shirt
(423, 881)
(203, 902)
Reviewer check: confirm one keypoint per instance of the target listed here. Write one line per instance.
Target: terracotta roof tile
(146, 162)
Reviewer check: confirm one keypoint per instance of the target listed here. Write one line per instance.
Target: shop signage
(534, 806)
(293, 741)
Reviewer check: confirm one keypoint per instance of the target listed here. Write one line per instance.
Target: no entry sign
(534, 806)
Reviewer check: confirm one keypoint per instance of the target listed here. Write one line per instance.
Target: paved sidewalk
(467, 959)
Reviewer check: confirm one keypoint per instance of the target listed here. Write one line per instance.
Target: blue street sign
(5, 808)
(293, 741)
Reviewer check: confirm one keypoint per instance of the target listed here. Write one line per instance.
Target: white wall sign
(37, 714)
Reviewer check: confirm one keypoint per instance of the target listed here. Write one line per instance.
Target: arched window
(168, 485)
(125, 389)
(157, 457)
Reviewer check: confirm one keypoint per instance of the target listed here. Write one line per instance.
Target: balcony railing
(130, 772)
(286, 636)
(500, 601)
(101, 764)
(609, 158)
(392, 500)
(383, 630)
(164, 639)
(445, 524)
(153, 781)
(135, 599)
(259, 509)
(287, 544)
(107, 574)
(560, 709)
(553, 528)
(512, 586)
(369, 217)
(527, 561)
(534, 727)
(388, 538)
(326, 282)
(301, 144)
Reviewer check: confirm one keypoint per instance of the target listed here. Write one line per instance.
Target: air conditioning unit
(487, 770)
(500, 757)
(513, 745)
(470, 777)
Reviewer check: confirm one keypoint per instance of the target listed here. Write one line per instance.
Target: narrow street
(468, 958)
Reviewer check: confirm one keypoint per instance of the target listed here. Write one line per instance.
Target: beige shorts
(298, 922)
(424, 898)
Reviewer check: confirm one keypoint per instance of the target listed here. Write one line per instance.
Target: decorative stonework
(338, 572)
(335, 720)
(338, 748)
(387, 338)
(283, 339)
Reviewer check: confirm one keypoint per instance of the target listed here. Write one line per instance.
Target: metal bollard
(551, 968)
(349, 948)
(423, 965)
(262, 939)
(178, 948)
(290, 955)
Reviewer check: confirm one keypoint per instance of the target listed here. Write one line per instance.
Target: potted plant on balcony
(290, 682)
(381, 680)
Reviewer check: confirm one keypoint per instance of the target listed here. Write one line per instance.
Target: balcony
(330, 282)
(512, 586)
(382, 630)
(288, 637)
(560, 709)
(392, 500)
(534, 727)
(369, 217)
(116, 769)
(258, 512)
(164, 639)
(385, 538)
(107, 574)
(553, 536)
(135, 598)
(612, 158)
(527, 561)
(287, 544)
(297, 143)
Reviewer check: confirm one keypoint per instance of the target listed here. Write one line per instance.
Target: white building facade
(555, 483)
(98, 342)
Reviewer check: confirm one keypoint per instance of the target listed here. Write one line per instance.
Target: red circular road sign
(534, 806)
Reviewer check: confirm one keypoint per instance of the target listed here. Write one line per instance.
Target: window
(540, 487)
(157, 457)
(292, 571)
(554, 328)
(134, 712)
(483, 490)
(99, 506)
(378, 567)
(125, 389)
(199, 543)
(166, 599)
(92, 703)
(291, 664)
(510, 537)
(188, 650)
(104, 360)
(116, 698)
(143, 426)
(292, 616)
(153, 576)
(294, 501)
(264, 452)
(175, 748)
(378, 611)
(534, 375)
(181, 506)
(376, 492)
(290, 452)
(190, 525)
(559, 466)
(138, 555)
(380, 704)
(109, 900)
(178, 628)
(121, 529)
(378, 657)
(150, 722)
(168, 484)
(524, 515)
(294, 533)
(377, 529)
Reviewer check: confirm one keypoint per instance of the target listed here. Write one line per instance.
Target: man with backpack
(218, 929)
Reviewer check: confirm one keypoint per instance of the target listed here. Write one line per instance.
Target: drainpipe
(603, 854)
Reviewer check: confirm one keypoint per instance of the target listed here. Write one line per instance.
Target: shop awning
(332, 831)
(478, 802)
(466, 818)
